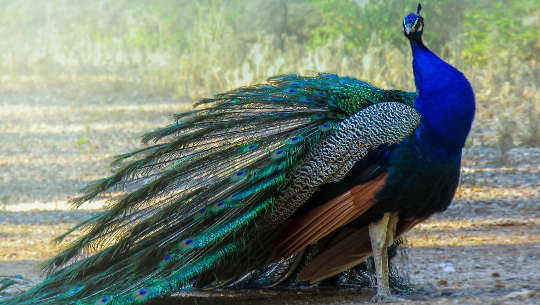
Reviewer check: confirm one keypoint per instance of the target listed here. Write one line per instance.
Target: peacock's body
(260, 173)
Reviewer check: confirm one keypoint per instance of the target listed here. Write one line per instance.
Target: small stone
(448, 267)
(495, 274)
(447, 293)
(520, 294)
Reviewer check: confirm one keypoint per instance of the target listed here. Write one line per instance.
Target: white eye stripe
(414, 24)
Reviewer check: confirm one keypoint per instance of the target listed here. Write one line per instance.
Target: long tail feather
(192, 199)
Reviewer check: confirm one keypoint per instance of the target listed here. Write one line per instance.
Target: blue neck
(445, 102)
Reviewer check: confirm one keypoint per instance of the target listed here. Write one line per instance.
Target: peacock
(254, 180)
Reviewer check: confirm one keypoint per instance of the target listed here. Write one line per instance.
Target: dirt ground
(484, 250)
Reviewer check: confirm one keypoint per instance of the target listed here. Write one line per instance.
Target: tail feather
(192, 199)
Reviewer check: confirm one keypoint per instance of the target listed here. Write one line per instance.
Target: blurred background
(81, 81)
(191, 49)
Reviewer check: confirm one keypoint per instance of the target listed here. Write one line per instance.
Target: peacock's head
(413, 25)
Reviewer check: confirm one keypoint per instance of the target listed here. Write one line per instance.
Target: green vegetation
(83, 140)
(507, 26)
(191, 49)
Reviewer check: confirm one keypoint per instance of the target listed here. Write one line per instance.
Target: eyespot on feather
(278, 154)
(74, 290)
(218, 206)
(294, 140)
(103, 300)
(318, 116)
(250, 147)
(239, 175)
(320, 93)
(235, 197)
(199, 214)
(325, 126)
(332, 103)
(141, 294)
(305, 99)
(186, 244)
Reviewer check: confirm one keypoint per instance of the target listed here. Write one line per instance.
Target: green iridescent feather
(193, 199)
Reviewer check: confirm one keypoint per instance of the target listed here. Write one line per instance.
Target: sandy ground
(484, 250)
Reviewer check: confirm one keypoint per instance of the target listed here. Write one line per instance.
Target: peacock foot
(386, 298)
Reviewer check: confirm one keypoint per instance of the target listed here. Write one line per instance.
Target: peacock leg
(378, 235)
(382, 234)
(391, 231)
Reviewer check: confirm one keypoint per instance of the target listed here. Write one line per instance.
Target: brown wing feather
(308, 228)
(350, 248)
(331, 221)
